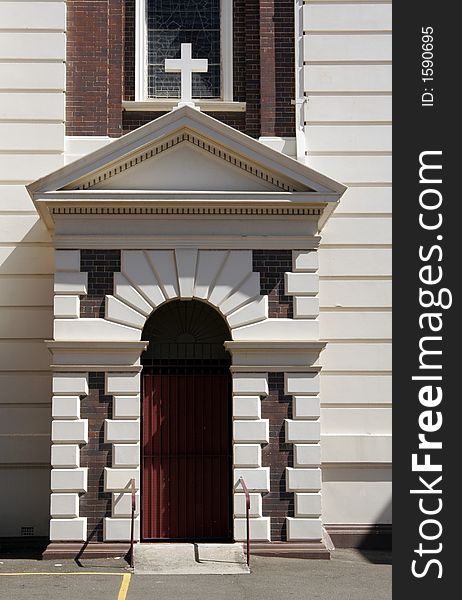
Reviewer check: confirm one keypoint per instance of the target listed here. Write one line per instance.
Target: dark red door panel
(187, 456)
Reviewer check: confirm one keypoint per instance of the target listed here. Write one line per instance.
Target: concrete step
(190, 559)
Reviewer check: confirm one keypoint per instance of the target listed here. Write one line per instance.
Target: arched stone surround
(225, 280)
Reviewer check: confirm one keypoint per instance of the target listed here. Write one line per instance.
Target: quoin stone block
(246, 407)
(67, 260)
(304, 529)
(250, 383)
(66, 407)
(307, 455)
(303, 479)
(126, 455)
(69, 431)
(122, 504)
(257, 480)
(122, 383)
(122, 431)
(307, 407)
(251, 431)
(65, 455)
(306, 307)
(70, 383)
(119, 529)
(120, 479)
(68, 530)
(64, 505)
(301, 284)
(308, 505)
(259, 529)
(247, 455)
(305, 260)
(66, 307)
(69, 480)
(255, 505)
(302, 431)
(71, 283)
(301, 383)
(126, 407)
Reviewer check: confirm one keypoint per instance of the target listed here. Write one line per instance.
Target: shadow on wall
(380, 537)
(374, 542)
(26, 320)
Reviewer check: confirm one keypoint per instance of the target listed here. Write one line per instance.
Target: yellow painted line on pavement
(122, 595)
(62, 573)
(124, 586)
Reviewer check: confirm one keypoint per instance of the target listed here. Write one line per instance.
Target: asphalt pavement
(350, 575)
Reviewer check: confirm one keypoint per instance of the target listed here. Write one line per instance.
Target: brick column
(115, 44)
(267, 69)
(277, 68)
(252, 67)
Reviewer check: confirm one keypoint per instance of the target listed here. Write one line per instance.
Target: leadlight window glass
(171, 23)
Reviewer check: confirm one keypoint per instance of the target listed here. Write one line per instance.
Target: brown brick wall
(94, 68)
(101, 60)
(252, 67)
(284, 84)
(239, 45)
(135, 119)
(95, 504)
(86, 67)
(100, 266)
(277, 455)
(115, 45)
(272, 264)
(129, 51)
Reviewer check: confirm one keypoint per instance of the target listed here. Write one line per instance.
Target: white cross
(186, 65)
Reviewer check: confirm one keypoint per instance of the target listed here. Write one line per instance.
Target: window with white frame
(162, 26)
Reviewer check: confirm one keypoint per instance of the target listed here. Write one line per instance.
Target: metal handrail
(132, 532)
(247, 515)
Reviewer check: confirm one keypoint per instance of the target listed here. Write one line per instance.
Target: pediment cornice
(185, 137)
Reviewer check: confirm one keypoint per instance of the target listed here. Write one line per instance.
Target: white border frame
(226, 35)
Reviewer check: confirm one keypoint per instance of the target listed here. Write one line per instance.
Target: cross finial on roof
(186, 65)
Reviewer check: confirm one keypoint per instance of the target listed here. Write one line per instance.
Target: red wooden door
(187, 456)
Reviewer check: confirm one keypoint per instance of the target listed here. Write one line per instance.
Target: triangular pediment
(230, 153)
(185, 162)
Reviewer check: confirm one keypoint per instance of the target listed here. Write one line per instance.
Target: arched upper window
(163, 25)
(185, 329)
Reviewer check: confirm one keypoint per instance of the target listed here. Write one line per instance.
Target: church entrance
(187, 425)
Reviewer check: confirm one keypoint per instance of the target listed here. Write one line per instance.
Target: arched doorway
(187, 425)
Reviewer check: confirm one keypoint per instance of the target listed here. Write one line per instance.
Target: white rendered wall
(347, 83)
(32, 46)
